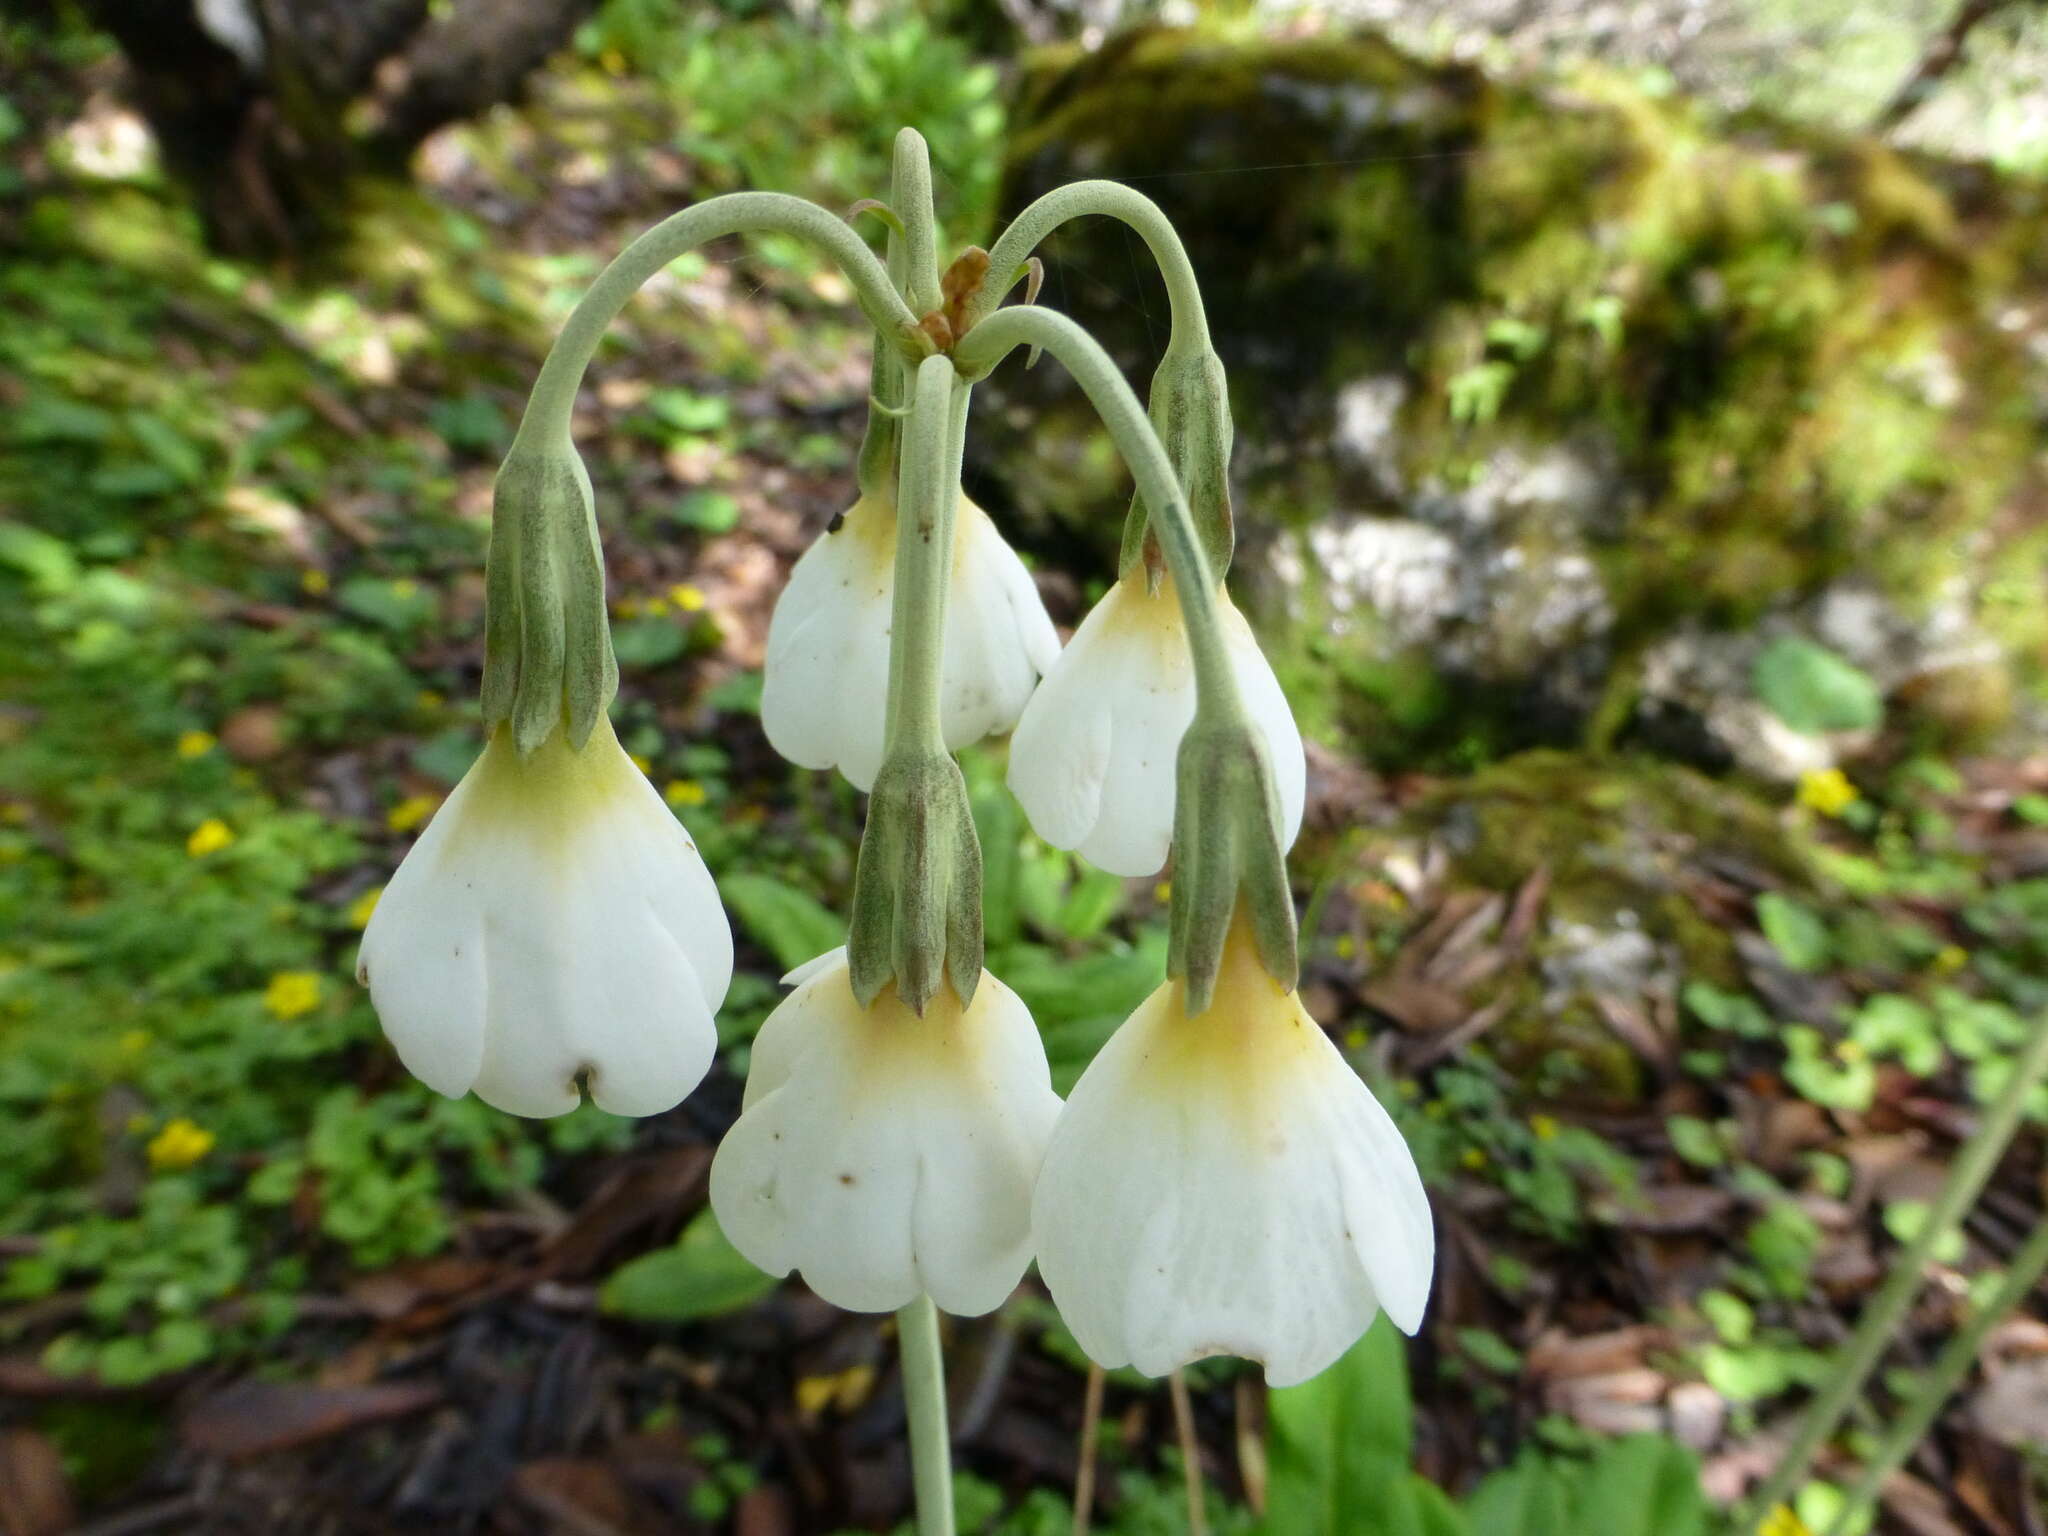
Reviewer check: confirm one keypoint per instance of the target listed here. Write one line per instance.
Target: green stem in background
(549, 407)
(1190, 325)
(927, 501)
(1940, 1383)
(989, 342)
(1973, 1166)
(924, 1398)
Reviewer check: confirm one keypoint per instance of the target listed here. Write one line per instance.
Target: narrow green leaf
(791, 925)
(700, 1275)
(1336, 1444)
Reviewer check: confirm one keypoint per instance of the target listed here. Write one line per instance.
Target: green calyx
(1189, 408)
(917, 887)
(1227, 851)
(548, 660)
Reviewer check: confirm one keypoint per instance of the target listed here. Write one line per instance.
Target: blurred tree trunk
(267, 109)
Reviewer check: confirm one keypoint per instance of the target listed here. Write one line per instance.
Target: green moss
(1613, 834)
(1786, 341)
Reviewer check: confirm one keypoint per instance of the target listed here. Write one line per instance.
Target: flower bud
(548, 659)
(917, 889)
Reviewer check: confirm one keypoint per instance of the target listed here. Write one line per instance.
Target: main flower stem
(924, 1397)
(927, 502)
(553, 399)
(1940, 1383)
(1973, 1166)
(1216, 693)
(1190, 326)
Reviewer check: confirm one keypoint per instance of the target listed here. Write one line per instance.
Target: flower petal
(885, 1155)
(825, 681)
(1226, 1184)
(554, 922)
(1267, 704)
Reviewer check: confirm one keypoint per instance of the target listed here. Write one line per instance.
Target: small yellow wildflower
(686, 597)
(1473, 1158)
(195, 744)
(1826, 790)
(1355, 1039)
(1951, 958)
(626, 607)
(1545, 1127)
(210, 836)
(360, 909)
(655, 607)
(683, 792)
(411, 812)
(313, 583)
(642, 761)
(179, 1145)
(1163, 892)
(1346, 946)
(405, 587)
(1782, 1522)
(292, 994)
(843, 1390)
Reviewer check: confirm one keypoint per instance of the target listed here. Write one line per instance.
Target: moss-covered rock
(1541, 393)
(1605, 883)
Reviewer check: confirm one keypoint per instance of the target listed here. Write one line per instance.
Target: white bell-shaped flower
(1093, 758)
(553, 923)
(825, 686)
(887, 1155)
(1225, 1184)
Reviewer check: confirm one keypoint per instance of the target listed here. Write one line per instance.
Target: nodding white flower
(825, 687)
(1225, 1184)
(1093, 759)
(554, 922)
(887, 1155)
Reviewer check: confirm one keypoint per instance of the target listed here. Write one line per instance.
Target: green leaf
(701, 1275)
(648, 642)
(1645, 1484)
(1338, 1441)
(999, 826)
(708, 512)
(1526, 1499)
(1813, 690)
(791, 925)
(1696, 1141)
(1795, 930)
(398, 605)
(1097, 897)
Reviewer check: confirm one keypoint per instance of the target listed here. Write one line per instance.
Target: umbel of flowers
(1220, 1179)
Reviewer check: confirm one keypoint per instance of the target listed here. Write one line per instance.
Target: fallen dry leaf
(253, 1417)
(35, 1496)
